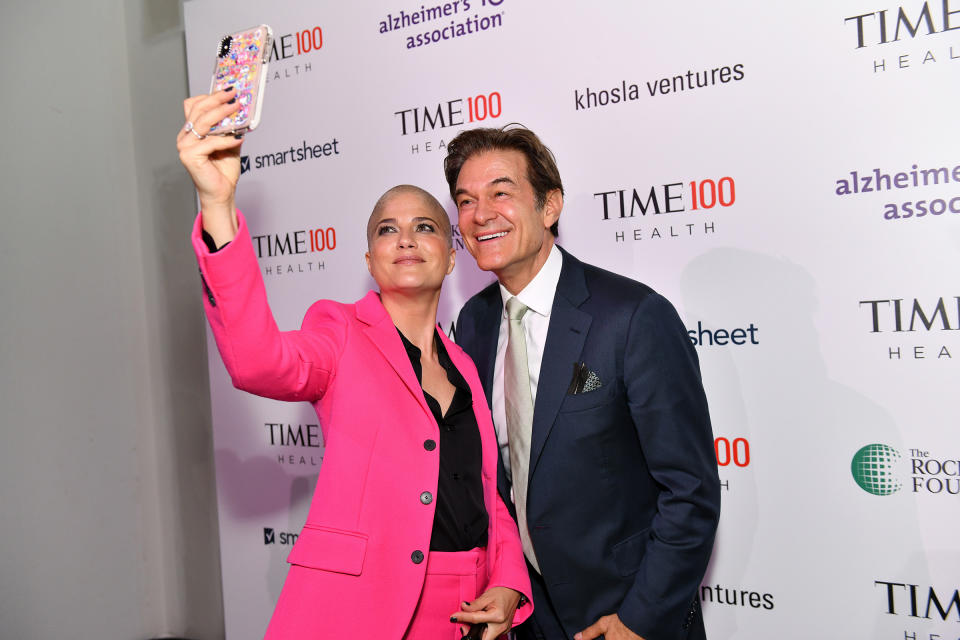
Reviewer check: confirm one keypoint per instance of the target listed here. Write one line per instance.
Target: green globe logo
(873, 469)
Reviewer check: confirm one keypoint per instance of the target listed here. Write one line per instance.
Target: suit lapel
(484, 350)
(487, 337)
(565, 340)
(486, 333)
(383, 334)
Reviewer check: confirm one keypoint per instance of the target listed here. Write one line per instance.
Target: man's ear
(552, 207)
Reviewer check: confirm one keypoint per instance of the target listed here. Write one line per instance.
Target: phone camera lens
(225, 46)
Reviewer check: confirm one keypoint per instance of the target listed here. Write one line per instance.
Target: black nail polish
(238, 136)
(229, 88)
(453, 618)
(232, 100)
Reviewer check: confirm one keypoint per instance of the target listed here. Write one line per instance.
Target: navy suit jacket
(624, 497)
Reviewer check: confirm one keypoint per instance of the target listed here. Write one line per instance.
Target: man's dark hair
(542, 169)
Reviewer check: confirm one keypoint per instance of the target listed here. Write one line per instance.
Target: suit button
(426, 497)
(417, 556)
(429, 445)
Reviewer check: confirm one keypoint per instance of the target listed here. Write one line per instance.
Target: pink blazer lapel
(383, 334)
(487, 434)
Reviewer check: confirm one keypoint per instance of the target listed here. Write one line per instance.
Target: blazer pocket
(627, 554)
(589, 400)
(329, 549)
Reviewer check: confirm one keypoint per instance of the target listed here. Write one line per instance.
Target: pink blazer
(358, 567)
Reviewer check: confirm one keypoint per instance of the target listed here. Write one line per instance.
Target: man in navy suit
(608, 459)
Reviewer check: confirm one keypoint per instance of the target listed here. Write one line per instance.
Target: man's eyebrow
(500, 180)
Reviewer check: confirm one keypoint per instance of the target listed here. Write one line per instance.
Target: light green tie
(518, 403)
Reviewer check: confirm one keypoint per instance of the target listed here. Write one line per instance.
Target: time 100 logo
(735, 452)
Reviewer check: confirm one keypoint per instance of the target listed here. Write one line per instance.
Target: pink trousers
(452, 578)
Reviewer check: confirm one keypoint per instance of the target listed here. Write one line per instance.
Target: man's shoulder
(482, 301)
(619, 297)
(473, 319)
(608, 286)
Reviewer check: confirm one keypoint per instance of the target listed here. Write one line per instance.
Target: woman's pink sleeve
(261, 359)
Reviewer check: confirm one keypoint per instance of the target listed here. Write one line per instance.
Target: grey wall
(106, 468)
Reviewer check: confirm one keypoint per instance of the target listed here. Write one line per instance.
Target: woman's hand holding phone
(208, 147)
(213, 161)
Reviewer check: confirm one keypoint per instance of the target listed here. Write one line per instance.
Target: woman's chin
(411, 287)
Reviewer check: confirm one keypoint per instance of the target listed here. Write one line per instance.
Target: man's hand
(610, 628)
(494, 606)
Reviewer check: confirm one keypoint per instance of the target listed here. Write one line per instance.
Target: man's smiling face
(499, 220)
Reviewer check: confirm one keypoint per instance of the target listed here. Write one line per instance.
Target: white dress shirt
(538, 297)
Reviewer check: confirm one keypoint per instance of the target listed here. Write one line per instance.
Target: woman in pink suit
(406, 536)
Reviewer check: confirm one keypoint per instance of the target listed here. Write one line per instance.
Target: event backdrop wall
(787, 175)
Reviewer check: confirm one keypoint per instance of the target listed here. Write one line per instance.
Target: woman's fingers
(206, 119)
(204, 111)
(192, 100)
(212, 144)
(496, 606)
(213, 164)
(213, 161)
(495, 630)
(190, 146)
(195, 145)
(476, 617)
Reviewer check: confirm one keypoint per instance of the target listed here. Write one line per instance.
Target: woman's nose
(406, 239)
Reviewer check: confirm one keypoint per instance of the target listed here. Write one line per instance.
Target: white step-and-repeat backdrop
(787, 174)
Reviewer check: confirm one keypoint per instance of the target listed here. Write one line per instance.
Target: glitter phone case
(242, 62)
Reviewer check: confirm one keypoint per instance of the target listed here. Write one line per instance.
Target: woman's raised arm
(213, 161)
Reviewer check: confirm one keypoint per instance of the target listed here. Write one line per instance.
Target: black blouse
(460, 520)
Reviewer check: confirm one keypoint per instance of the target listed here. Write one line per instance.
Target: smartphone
(475, 632)
(242, 62)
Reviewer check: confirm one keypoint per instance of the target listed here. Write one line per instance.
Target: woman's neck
(415, 315)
